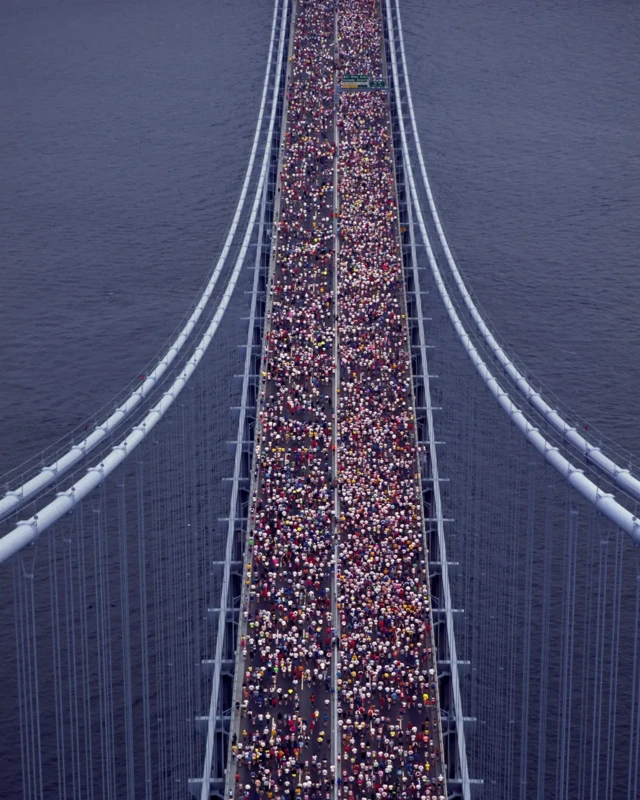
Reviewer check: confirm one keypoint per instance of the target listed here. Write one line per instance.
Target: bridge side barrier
(225, 606)
(234, 727)
(462, 761)
(214, 711)
(604, 502)
(17, 497)
(28, 531)
(619, 475)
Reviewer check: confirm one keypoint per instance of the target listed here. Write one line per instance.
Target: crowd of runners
(388, 744)
(283, 748)
(388, 693)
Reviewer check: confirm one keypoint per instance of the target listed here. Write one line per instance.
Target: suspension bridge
(337, 542)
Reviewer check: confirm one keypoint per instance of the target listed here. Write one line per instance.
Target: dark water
(125, 132)
(126, 129)
(531, 132)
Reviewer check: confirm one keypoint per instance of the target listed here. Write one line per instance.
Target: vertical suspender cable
(125, 621)
(26, 532)
(451, 642)
(603, 501)
(213, 705)
(634, 736)
(144, 628)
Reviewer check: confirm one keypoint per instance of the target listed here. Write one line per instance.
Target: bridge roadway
(302, 511)
(283, 740)
(392, 742)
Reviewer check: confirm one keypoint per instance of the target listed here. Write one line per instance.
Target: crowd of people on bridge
(373, 633)
(391, 743)
(283, 747)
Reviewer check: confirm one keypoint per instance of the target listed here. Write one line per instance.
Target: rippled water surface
(126, 129)
(531, 134)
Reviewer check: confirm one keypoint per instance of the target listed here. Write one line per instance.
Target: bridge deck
(389, 698)
(287, 646)
(352, 650)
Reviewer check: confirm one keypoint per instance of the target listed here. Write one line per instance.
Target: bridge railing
(543, 582)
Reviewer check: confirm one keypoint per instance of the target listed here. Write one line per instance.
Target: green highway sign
(362, 82)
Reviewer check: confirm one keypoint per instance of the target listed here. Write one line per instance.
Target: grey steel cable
(16, 498)
(28, 531)
(213, 703)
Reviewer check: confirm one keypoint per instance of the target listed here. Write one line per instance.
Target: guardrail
(224, 595)
(461, 746)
